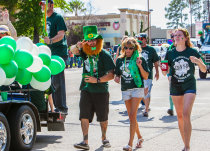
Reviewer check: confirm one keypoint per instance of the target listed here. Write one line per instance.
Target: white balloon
(36, 65)
(42, 86)
(25, 43)
(2, 76)
(35, 50)
(44, 49)
(9, 81)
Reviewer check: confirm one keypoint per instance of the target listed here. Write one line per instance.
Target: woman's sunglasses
(131, 48)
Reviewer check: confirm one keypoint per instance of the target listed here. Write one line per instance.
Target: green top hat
(90, 32)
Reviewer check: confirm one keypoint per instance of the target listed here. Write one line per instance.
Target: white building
(113, 26)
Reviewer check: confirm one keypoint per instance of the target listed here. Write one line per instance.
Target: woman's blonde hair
(188, 43)
(130, 41)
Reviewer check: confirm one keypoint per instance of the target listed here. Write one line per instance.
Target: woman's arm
(142, 71)
(199, 62)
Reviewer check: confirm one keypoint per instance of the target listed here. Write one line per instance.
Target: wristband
(51, 42)
(98, 80)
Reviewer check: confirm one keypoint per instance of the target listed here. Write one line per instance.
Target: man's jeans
(59, 96)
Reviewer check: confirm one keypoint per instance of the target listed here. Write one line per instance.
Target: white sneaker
(142, 107)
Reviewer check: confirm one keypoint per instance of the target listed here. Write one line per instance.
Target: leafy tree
(142, 30)
(75, 34)
(77, 6)
(10, 5)
(175, 15)
(29, 19)
(196, 9)
(62, 4)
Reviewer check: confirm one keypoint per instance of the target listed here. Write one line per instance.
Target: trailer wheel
(202, 75)
(4, 133)
(23, 128)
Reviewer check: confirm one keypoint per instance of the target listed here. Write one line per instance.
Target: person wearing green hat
(98, 69)
(200, 33)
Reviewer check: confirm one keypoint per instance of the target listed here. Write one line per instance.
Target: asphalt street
(159, 130)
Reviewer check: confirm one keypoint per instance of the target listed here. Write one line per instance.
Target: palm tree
(77, 6)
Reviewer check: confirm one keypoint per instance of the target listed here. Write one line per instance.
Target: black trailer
(20, 121)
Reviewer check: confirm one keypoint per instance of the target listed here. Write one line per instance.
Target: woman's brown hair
(188, 43)
(130, 41)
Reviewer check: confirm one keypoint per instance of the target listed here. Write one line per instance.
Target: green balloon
(6, 54)
(10, 69)
(60, 60)
(45, 58)
(39, 44)
(8, 40)
(55, 67)
(20, 74)
(43, 75)
(23, 76)
(23, 58)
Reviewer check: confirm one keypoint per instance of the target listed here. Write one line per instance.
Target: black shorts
(94, 102)
(181, 89)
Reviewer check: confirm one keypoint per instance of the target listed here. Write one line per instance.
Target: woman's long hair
(188, 43)
(130, 41)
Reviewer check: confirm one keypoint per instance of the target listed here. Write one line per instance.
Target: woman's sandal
(127, 148)
(139, 142)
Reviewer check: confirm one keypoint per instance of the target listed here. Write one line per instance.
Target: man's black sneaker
(82, 145)
(145, 114)
(170, 112)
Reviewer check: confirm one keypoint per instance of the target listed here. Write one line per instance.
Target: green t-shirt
(181, 68)
(102, 63)
(55, 23)
(127, 81)
(150, 55)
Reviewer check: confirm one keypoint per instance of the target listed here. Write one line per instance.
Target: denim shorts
(132, 93)
(148, 84)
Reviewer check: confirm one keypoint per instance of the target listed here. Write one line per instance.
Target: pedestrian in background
(181, 61)
(131, 69)
(152, 59)
(170, 111)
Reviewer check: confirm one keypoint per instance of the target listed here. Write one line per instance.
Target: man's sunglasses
(131, 48)
(140, 38)
(91, 40)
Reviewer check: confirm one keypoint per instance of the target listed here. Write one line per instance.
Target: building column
(123, 25)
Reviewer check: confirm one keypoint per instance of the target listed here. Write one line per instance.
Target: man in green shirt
(56, 40)
(151, 57)
(98, 69)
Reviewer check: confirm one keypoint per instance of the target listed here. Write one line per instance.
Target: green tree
(142, 30)
(175, 15)
(62, 4)
(196, 9)
(75, 34)
(29, 19)
(77, 6)
(10, 5)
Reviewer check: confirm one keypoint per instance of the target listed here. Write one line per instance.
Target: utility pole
(148, 22)
(190, 18)
(208, 10)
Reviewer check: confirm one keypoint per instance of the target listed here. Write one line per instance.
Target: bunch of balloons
(27, 63)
